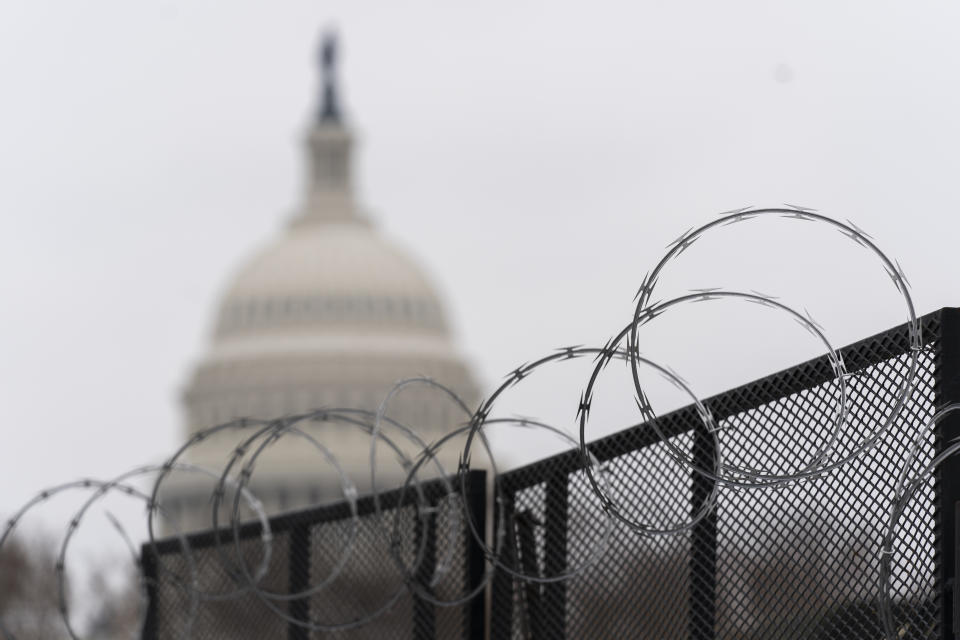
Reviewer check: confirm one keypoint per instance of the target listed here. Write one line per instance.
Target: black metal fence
(796, 562)
(306, 547)
(800, 561)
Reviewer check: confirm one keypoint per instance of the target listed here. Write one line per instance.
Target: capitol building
(328, 314)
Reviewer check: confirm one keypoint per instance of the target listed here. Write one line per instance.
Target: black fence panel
(795, 562)
(306, 548)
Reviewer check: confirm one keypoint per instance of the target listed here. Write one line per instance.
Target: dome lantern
(329, 196)
(329, 104)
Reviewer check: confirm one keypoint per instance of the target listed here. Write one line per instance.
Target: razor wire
(474, 425)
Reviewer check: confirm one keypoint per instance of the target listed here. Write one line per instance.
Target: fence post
(948, 475)
(148, 567)
(956, 569)
(555, 518)
(501, 598)
(703, 543)
(299, 579)
(425, 533)
(476, 565)
(532, 619)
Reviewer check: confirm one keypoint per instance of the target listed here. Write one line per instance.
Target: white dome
(329, 259)
(329, 314)
(326, 278)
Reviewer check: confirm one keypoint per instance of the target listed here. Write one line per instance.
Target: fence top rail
(816, 371)
(324, 514)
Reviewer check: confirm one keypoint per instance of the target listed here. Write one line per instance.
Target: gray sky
(535, 156)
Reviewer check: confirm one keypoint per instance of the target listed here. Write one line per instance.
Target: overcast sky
(535, 156)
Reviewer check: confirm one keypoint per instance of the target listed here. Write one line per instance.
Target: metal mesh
(306, 548)
(796, 562)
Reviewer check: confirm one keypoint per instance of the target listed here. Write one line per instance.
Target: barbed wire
(99, 487)
(613, 507)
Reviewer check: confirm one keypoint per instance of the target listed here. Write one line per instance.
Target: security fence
(194, 593)
(797, 560)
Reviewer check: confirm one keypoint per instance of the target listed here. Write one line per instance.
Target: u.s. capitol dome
(328, 314)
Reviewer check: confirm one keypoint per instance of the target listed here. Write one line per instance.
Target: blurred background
(534, 158)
